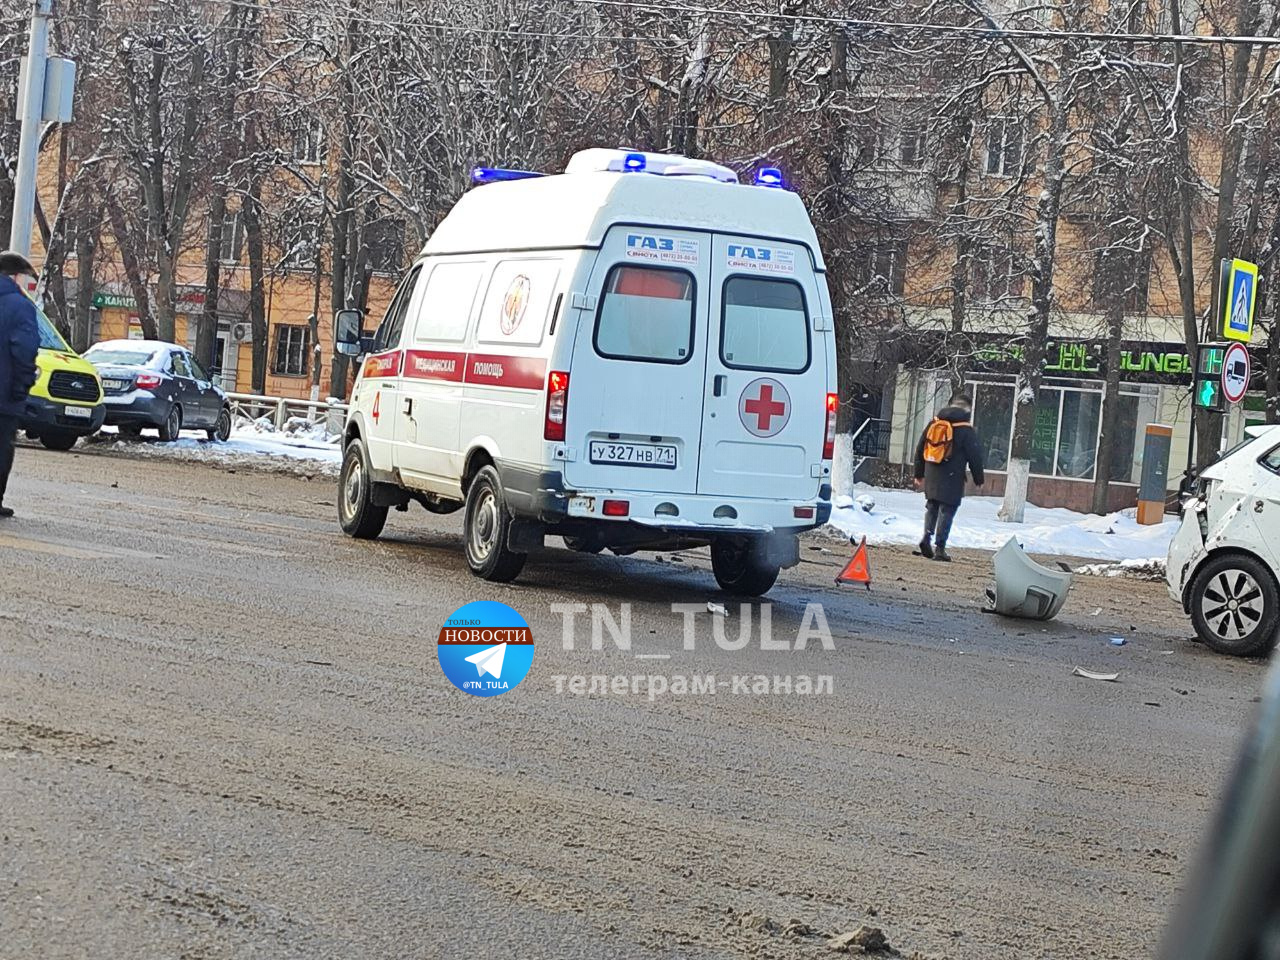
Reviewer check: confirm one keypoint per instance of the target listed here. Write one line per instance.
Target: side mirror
(346, 332)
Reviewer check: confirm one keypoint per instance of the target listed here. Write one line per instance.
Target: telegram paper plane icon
(489, 660)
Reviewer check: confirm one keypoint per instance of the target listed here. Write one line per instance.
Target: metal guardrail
(871, 439)
(281, 409)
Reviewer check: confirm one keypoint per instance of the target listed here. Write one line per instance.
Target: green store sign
(120, 301)
(1140, 361)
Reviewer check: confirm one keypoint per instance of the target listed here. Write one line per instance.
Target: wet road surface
(224, 733)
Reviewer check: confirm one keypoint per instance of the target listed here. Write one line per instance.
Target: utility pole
(32, 106)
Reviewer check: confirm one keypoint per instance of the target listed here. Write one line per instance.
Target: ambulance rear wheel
(741, 568)
(486, 525)
(357, 513)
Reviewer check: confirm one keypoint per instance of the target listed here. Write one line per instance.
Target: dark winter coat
(944, 481)
(19, 342)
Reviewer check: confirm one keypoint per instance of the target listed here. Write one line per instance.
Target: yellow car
(66, 402)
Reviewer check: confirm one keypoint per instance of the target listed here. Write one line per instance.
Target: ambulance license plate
(82, 413)
(661, 455)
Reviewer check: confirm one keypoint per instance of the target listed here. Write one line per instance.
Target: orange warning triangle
(858, 570)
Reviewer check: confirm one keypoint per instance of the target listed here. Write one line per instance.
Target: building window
(309, 140)
(911, 146)
(880, 266)
(1004, 147)
(994, 273)
(293, 349)
(902, 143)
(1066, 431)
(1139, 407)
(385, 241)
(298, 243)
(232, 244)
(993, 421)
(1124, 274)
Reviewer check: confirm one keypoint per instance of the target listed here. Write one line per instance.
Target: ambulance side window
(765, 325)
(446, 306)
(389, 330)
(646, 314)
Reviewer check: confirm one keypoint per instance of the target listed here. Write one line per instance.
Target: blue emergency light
(633, 163)
(769, 177)
(482, 175)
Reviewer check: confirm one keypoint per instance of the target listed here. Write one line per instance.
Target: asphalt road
(224, 733)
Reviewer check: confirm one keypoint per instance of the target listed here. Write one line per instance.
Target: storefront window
(1137, 410)
(1078, 436)
(993, 419)
(1044, 432)
(1065, 432)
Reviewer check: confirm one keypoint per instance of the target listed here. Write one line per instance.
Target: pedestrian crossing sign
(1241, 290)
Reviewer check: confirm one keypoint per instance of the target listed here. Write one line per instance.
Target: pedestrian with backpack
(947, 447)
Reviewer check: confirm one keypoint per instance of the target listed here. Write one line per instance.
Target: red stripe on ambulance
(519, 373)
(382, 365)
(477, 369)
(432, 365)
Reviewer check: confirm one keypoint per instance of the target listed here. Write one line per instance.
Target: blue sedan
(149, 383)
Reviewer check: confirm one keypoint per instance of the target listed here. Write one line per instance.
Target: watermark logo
(485, 648)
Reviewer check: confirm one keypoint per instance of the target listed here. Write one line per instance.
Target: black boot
(6, 512)
(940, 554)
(926, 549)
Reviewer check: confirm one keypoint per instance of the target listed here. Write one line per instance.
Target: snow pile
(302, 448)
(898, 518)
(1152, 569)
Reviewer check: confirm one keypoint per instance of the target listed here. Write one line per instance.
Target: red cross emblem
(764, 407)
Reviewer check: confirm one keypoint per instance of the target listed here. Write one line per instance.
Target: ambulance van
(635, 354)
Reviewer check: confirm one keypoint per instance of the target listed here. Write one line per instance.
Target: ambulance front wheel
(743, 567)
(357, 513)
(487, 525)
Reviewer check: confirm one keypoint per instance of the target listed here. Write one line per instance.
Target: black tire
(130, 431)
(486, 524)
(358, 516)
(172, 425)
(1235, 605)
(741, 569)
(220, 432)
(59, 440)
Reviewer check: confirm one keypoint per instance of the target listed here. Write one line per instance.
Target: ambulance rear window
(646, 313)
(765, 325)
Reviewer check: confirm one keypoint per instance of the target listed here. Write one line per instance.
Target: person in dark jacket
(19, 343)
(944, 482)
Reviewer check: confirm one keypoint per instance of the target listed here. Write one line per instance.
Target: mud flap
(524, 536)
(782, 549)
(388, 495)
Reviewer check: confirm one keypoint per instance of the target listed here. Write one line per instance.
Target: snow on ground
(897, 517)
(302, 447)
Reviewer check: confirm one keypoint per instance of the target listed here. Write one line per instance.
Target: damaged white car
(1224, 562)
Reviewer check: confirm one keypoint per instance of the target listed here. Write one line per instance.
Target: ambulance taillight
(829, 443)
(557, 405)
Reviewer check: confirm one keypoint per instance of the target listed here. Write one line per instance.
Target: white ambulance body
(637, 353)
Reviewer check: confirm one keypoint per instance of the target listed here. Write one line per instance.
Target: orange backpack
(939, 440)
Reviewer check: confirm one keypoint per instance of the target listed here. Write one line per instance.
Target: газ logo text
(764, 259)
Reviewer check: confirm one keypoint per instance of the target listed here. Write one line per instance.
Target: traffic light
(1207, 390)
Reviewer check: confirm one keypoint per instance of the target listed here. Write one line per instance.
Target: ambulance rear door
(637, 376)
(766, 349)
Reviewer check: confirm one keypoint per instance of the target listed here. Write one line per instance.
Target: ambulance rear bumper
(542, 495)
